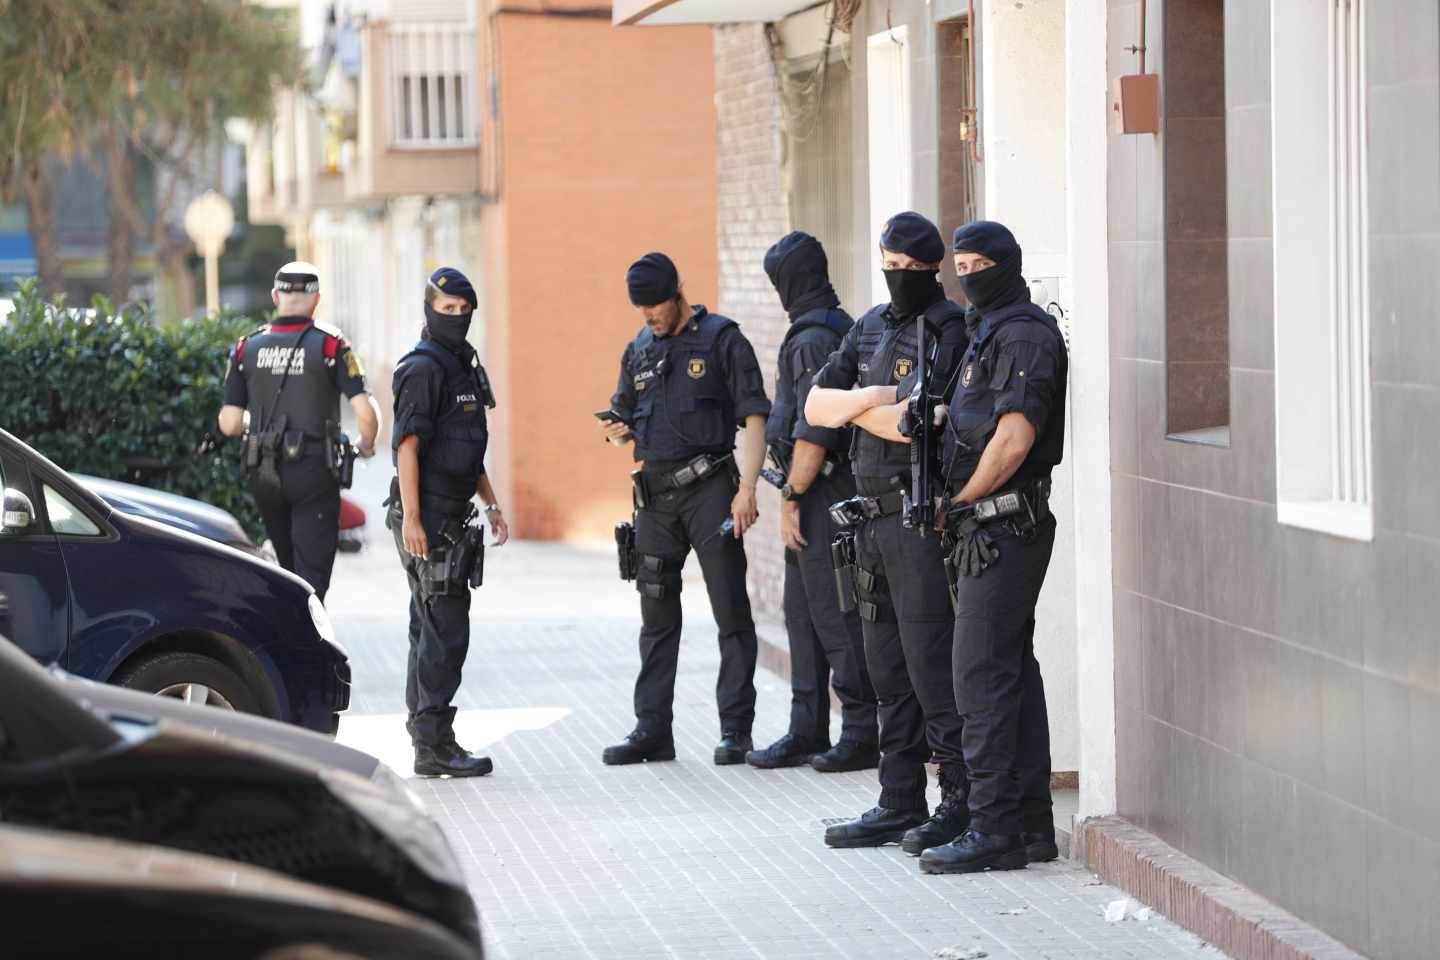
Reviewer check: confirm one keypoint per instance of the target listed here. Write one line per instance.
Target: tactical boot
(949, 820)
(640, 746)
(788, 751)
(875, 828)
(449, 760)
(976, 852)
(1040, 847)
(732, 748)
(847, 755)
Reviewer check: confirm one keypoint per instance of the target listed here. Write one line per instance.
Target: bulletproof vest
(971, 421)
(306, 396)
(887, 356)
(683, 406)
(780, 425)
(451, 462)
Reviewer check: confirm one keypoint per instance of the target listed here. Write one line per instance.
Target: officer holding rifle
(440, 436)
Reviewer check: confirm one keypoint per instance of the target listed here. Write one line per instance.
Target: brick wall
(752, 214)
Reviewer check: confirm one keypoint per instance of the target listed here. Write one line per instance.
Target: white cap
(297, 276)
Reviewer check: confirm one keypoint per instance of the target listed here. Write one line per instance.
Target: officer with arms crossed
(1005, 432)
(440, 435)
(282, 391)
(900, 578)
(816, 470)
(687, 380)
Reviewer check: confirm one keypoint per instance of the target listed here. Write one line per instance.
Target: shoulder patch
(332, 346)
(330, 330)
(240, 348)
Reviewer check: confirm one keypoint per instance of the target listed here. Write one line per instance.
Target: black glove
(975, 549)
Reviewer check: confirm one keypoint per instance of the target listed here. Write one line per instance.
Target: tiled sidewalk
(570, 859)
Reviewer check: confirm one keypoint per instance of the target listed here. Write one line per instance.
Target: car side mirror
(19, 512)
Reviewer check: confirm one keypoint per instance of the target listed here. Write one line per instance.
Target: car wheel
(191, 677)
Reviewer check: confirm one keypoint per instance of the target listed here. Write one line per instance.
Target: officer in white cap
(282, 393)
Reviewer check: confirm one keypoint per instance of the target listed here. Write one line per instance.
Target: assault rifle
(918, 423)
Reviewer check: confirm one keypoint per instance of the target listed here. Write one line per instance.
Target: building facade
(1240, 630)
(502, 139)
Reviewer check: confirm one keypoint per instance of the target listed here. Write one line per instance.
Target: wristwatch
(492, 508)
(789, 493)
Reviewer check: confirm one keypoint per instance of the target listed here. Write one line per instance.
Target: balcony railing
(430, 86)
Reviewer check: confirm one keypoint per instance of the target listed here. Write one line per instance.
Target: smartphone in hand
(607, 416)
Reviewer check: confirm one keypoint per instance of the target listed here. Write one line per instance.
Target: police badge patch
(968, 375)
(903, 366)
(696, 369)
(352, 365)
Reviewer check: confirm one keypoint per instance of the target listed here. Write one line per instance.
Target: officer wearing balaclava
(688, 380)
(1005, 432)
(904, 599)
(440, 435)
(825, 641)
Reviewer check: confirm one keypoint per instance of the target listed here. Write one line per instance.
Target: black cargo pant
(905, 614)
(302, 517)
(439, 640)
(823, 640)
(667, 529)
(998, 687)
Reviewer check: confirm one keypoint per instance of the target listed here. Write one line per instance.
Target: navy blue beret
(913, 235)
(987, 238)
(452, 282)
(652, 279)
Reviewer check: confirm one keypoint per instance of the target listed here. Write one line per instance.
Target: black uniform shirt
(740, 374)
(420, 397)
(802, 355)
(1016, 363)
(345, 370)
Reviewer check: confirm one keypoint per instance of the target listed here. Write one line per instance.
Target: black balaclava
(994, 287)
(800, 273)
(911, 291)
(445, 328)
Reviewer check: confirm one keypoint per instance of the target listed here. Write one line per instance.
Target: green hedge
(115, 394)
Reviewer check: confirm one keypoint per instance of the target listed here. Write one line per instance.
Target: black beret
(987, 238)
(453, 283)
(913, 235)
(652, 279)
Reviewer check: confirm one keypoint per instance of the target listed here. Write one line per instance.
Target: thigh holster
(656, 577)
(874, 603)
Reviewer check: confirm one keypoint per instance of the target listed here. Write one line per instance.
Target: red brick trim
(1243, 924)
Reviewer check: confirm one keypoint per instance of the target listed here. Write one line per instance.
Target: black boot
(788, 751)
(449, 760)
(848, 755)
(1040, 847)
(640, 746)
(875, 828)
(949, 820)
(732, 748)
(976, 852)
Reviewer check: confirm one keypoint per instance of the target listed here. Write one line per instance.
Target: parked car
(174, 510)
(126, 599)
(267, 846)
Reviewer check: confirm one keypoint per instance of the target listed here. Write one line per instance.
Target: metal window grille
(432, 85)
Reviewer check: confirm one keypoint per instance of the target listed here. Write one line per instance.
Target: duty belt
(848, 513)
(696, 469)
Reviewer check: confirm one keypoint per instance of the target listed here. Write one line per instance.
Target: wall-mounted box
(1136, 106)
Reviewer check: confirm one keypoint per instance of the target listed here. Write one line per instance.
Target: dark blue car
(134, 601)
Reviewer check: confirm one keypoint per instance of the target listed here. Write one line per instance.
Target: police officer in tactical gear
(900, 578)
(687, 381)
(1005, 432)
(282, 392)
(815, 467)
(440, 436)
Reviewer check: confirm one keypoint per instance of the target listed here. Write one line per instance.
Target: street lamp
(209, 220)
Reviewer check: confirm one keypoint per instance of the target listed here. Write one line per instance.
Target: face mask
(994, 287)
(449, 329)
(911, 291)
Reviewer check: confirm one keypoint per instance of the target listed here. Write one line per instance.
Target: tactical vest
(887, 356)
(780, 425)
(683, 406)
(971, 421)
(453, 459)
(306, 396)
